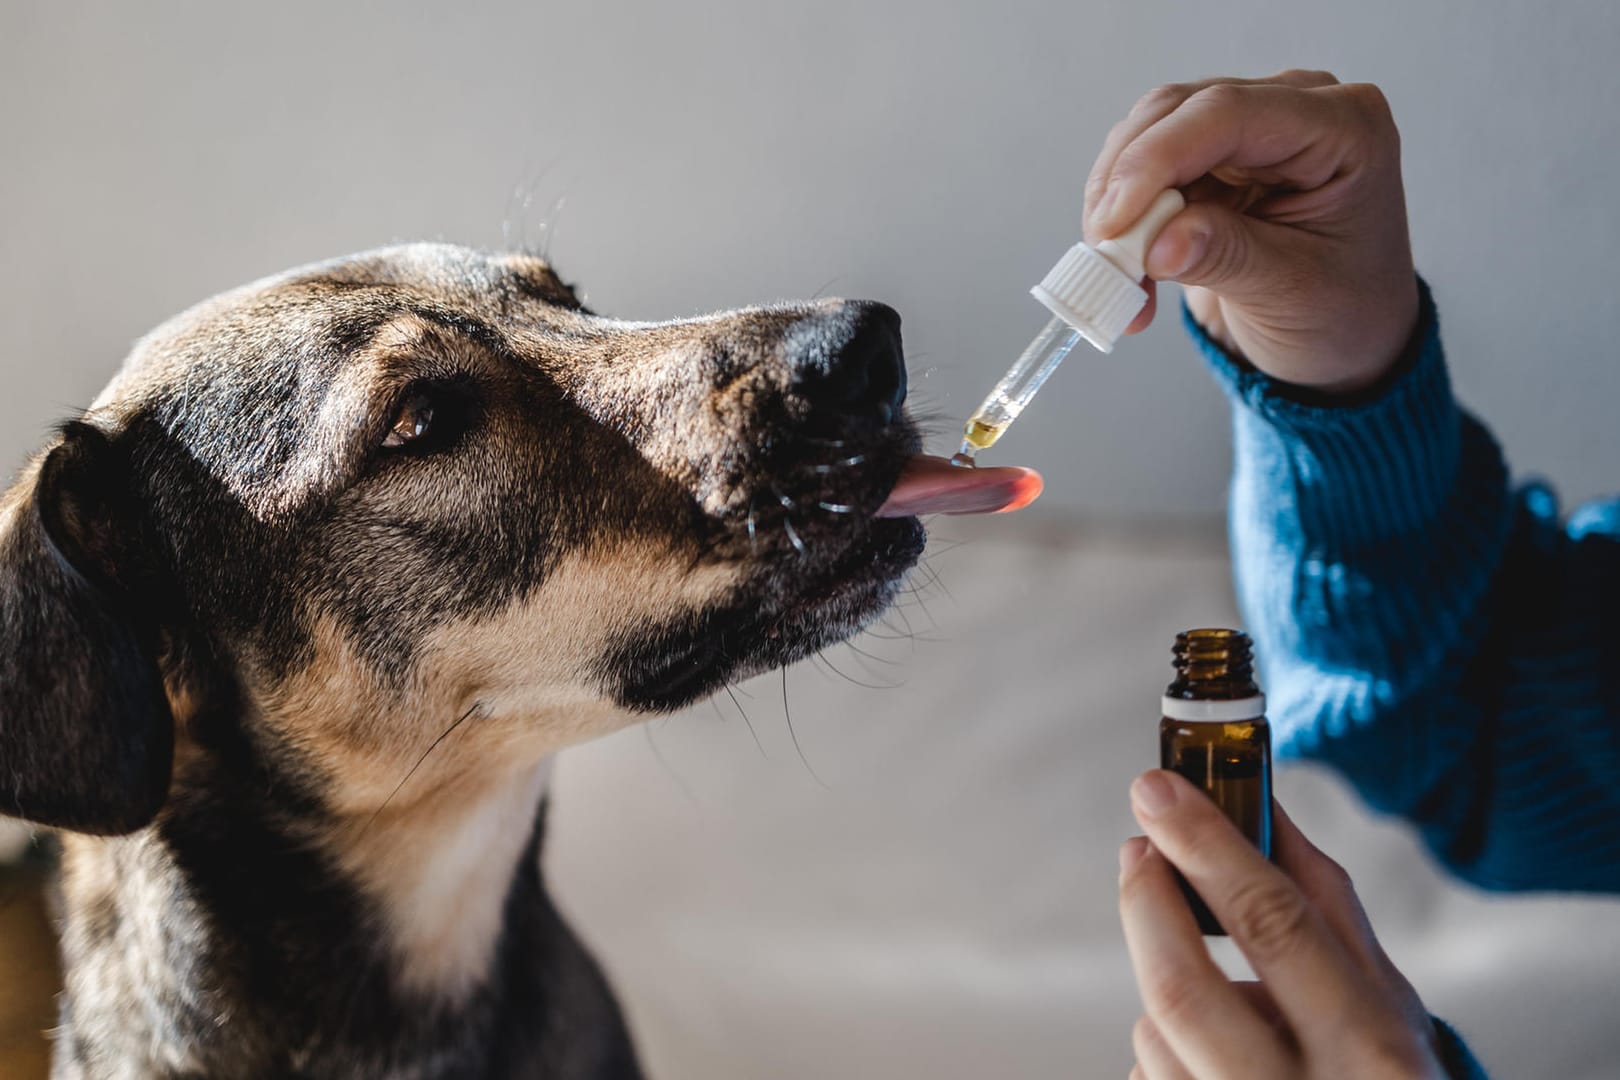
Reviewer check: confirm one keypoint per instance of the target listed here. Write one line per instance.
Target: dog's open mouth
(802, 606)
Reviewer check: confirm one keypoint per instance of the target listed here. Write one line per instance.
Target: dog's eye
(431, 416)
(412, 423)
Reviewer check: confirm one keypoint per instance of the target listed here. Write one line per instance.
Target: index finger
(1156, 105)
(1290, 946)
(1231, 125)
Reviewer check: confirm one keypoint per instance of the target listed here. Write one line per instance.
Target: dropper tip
(963, 458)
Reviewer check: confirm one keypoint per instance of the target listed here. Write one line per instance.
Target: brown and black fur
(290, 691)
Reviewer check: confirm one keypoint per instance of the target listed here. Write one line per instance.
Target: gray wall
(715, 153)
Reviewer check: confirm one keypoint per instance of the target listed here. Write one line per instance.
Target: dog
(296, 614)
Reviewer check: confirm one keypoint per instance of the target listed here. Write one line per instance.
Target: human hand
(1328, 1004)
(1294, 242)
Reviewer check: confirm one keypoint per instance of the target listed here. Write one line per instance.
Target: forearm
(1384, 568)
(1365, 539)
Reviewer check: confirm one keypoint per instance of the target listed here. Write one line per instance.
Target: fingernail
(1152, 794)
(1172, 256)
(1131, 852)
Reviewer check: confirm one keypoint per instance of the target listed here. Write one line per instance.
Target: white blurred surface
(941, 903)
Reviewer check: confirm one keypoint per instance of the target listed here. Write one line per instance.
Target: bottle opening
(1213, 665)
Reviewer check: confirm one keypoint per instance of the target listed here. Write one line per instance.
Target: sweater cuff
(1455, 1057)
(1364, 470)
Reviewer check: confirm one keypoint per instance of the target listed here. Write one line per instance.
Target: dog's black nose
(863, 379)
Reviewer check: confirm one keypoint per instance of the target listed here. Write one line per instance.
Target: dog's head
(339, 510)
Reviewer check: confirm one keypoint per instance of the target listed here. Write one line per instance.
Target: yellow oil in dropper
(1017, 388)
(980, 435)
(1094, 293)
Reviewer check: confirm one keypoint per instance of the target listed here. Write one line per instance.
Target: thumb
(1216, 248)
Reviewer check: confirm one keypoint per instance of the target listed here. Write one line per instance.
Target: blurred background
(924, 885)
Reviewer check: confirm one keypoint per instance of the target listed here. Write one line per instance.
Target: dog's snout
(863, 381)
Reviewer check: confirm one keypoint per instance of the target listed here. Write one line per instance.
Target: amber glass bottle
(1214, 733)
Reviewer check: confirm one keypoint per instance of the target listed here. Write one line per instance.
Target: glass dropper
(1017, 388)
(1094, 293)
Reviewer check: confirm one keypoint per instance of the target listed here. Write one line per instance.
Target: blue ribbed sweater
(1441, 639)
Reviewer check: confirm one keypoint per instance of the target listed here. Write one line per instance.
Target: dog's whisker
(794, 538)
(932, 580)
(850, 645)
(900, 610)
(917, 599)
(815, 663)
(945, 545)
(663, 762)
(829, 284)
(851, 679)
(841, 463)
(875, 673)
(397, 787)
(835, 508)
(794, 735)
(920, 595)
(885, 637)
(548, 226)
(744, 714)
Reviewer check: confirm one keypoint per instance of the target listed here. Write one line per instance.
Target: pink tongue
(932, 485)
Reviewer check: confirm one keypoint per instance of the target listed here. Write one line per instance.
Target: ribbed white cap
(1092, 295)
(1096, 290)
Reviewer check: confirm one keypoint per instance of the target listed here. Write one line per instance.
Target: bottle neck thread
(1213, 665)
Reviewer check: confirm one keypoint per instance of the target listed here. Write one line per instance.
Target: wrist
(1354, 383)
(1363, 469)
(1384, 351)
(1324, 366)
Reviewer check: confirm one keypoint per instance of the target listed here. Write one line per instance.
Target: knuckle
(1172, 996)
(1131, 887)
(1121, 131)
(1130, 162)
(1396, 1054)
(1161, 98)
(1369, 103)
(1336, 878)
(1221, 96)
(1144, 1035)
(1308, 77)
(1269, 918)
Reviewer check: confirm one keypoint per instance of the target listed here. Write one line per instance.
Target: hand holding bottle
(1294, 243)
(1329, 1002)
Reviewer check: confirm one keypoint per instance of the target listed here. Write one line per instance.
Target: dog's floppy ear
(86, 736)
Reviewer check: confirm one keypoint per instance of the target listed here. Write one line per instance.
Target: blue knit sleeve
(1438, 638)
(1455, 1057)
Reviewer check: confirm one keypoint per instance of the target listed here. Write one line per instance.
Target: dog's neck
(438, 867)
(245, 932)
